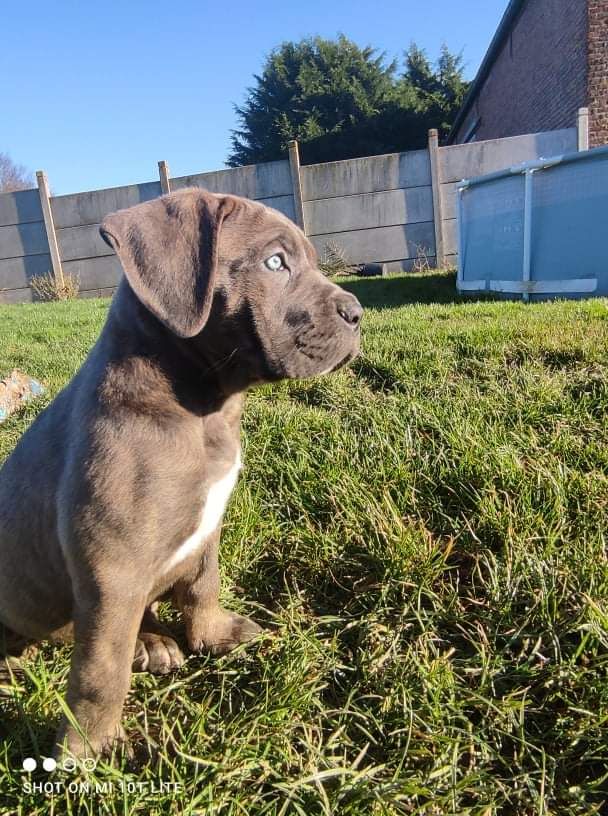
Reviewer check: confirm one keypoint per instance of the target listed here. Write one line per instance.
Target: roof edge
(504, 27)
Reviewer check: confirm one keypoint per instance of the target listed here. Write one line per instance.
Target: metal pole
(582, 127)
(527, 261)
(460, 233)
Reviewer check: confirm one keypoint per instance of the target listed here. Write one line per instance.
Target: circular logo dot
(69, 764)
(29, 764)
(49, 764)
(89, 764)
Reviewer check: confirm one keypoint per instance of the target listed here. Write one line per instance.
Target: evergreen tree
(439, 91)
(341, 101)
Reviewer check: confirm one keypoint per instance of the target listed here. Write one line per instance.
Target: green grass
(424, 536)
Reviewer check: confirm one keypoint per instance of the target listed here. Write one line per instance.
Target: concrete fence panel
(16, 273)
(257, 181)
(372, 174)
(378, 209)
(387, 244)
(95, 273)
(19, 240)
(284, 204)
(479, 158)
(354, 212)
(270, 184)
(80, 209)
(81, 242)
(24, 249)
(19, 208)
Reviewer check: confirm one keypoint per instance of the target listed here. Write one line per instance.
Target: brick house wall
(597, 86)
(539, 78)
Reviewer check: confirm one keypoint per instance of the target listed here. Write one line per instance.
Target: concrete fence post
(582, 126)
(49, 225)
(163, 172)
(433, 147)
(296, 181)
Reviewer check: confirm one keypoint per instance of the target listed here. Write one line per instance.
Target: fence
(380, 209)
(544, 225)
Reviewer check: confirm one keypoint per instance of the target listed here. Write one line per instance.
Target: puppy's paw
(222, 631)
(157, 654)
(71, 747)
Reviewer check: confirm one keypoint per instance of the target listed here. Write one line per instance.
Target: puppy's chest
(212, 510)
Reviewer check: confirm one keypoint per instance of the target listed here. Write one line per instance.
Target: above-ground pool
(536, 229)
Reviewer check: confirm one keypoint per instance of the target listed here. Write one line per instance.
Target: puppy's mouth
(318, 358)
(345, 360)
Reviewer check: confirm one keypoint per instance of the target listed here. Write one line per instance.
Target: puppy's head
(238, 281)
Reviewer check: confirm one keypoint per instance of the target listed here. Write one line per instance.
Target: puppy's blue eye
(274, 263)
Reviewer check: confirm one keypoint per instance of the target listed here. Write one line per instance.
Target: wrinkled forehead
(254, 228)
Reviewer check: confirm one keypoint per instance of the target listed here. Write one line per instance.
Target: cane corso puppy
(114, 497)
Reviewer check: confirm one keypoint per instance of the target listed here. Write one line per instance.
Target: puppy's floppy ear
(168, 250)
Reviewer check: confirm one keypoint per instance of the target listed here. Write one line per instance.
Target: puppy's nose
(350, 310)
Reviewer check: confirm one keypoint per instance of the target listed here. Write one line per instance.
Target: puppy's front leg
(209, 627)
(105, 633)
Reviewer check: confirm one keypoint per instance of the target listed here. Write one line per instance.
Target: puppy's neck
(145, 357)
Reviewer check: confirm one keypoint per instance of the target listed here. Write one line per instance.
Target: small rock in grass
(16, 389)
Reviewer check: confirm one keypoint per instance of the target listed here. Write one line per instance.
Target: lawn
(423, 535)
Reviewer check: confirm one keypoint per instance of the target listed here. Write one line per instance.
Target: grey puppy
(114, 497)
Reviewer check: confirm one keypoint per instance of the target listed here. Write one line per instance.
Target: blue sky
(97, 93)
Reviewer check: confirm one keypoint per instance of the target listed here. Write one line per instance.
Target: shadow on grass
(400, 290)
(378, 377)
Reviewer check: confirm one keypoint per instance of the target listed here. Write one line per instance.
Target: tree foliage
(13, 176)
(341, 101)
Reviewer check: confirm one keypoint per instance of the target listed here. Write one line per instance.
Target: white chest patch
(213, 510)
